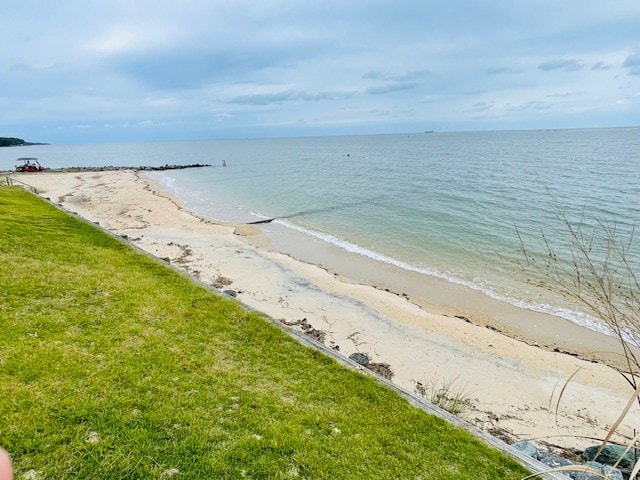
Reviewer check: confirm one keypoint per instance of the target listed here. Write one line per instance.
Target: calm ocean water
(445, 204)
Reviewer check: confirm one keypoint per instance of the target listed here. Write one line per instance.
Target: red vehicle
(27, 164)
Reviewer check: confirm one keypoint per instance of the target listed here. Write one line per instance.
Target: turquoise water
(445, 204)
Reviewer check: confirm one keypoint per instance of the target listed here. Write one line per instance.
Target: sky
(81, 71)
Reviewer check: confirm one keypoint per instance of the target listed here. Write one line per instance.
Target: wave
(164, 180)
(576, 317)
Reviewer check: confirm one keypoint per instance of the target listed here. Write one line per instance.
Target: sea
(459, 206)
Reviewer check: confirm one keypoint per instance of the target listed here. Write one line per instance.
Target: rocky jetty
(113, 168)
(116, 168)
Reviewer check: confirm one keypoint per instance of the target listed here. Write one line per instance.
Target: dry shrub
(446, 395)
(600, 274)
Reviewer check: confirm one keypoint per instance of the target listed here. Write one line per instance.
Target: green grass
(115, 366)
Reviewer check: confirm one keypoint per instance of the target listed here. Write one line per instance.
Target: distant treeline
(15, 142)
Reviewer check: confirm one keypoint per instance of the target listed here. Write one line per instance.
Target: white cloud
(277, 63)
(118, 40)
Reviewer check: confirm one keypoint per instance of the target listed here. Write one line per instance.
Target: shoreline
(424, 332)
(439, 295)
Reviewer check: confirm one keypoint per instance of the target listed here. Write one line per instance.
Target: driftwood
(268, 220)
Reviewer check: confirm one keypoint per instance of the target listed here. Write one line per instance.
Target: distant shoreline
(17, 142)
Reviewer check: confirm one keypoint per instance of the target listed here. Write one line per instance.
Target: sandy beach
(510, 362)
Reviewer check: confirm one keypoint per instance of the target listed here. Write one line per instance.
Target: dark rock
(554, 461)
(528, 448)
(610, 455)
(231, 293)
(534, 451)
(608, 472)
(360, 358)
(551, 460)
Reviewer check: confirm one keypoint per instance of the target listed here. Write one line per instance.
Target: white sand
(509, 382)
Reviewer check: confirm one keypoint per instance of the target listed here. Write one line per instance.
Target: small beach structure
(29, 164)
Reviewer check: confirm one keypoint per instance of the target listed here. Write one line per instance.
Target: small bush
(446, 395)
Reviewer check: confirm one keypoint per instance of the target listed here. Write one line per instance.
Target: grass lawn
(114, 366)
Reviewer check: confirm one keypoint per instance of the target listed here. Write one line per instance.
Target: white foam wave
(576, 317)
(164, 180)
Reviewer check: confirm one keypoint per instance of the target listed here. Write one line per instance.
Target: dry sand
(509, 379)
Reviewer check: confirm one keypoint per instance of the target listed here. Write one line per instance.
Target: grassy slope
(114, 366)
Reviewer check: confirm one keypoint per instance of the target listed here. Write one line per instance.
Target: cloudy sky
(116, 70)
